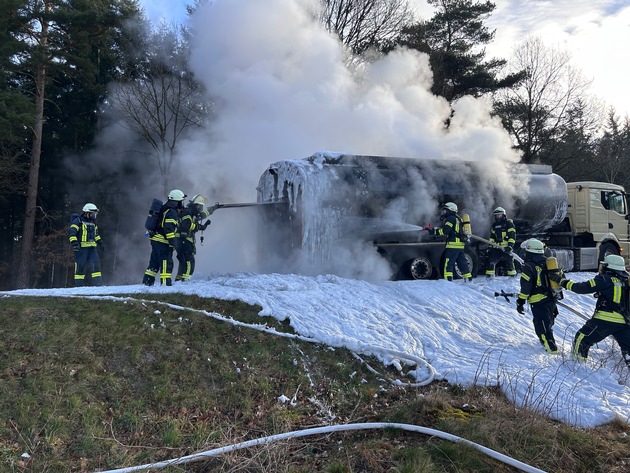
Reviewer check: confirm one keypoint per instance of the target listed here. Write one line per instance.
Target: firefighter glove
(75, 247)
(556, 276)
(508, 250)
(520, 306)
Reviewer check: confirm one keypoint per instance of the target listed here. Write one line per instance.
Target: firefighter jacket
(534, 280)
(83, 232)
(503, 233)
(168, 225)
(611, 301)
(453, 228)
(191, 221)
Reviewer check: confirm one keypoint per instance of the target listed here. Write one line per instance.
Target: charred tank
(333, 199)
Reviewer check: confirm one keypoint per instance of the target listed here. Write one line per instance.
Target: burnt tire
(419, 268)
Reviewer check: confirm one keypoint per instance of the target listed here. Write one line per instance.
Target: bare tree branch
(163, 101)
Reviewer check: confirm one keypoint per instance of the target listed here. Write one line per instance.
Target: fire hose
(328, 429)
(506, 295)
(495, 245)
(245, 204)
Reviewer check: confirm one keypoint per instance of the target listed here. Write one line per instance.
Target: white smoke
(281, 90)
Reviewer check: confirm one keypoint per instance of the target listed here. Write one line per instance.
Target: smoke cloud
(282, 90)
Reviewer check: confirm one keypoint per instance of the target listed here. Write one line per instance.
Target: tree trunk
(24, 269)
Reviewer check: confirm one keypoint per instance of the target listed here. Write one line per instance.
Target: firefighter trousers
(186, 261)
(595, 330)
(544, 313)
(160, 261)
(87, 257)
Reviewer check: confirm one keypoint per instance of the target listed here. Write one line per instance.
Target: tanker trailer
(335, 201)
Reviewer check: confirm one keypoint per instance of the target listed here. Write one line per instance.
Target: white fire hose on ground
(326, 430)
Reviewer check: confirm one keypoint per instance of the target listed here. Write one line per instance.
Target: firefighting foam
(282, 88)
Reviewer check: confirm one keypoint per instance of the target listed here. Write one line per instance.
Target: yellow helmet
(199, 199)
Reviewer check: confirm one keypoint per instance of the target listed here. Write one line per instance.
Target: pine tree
(59, 55)
(454, 38)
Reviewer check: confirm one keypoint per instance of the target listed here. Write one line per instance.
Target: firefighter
(502, 233)
(453, 229)
(85, 238)
(611, 317)
(164, 240)
(191, 222)
(536, 290)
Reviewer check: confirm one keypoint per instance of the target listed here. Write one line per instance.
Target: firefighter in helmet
(164, 240)
(611, 317)
(85, 238)
(536, 290)
(453, 229)
(503, 234)
(191, 222)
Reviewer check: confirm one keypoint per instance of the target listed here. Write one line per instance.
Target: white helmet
(534, 246)
(199, 199)
(450, 206)
(90, 207)
(499, 210)
(176, 195)
(615, 262)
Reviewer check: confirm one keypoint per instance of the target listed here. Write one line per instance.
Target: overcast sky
(595, 32)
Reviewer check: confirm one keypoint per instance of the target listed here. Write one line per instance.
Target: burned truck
(331, 205)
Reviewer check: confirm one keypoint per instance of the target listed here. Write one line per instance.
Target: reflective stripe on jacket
(84, 232)
(503, 233)
(534, 286)
(609, 303)
(168, 226)
(190, 221)
(452, 229)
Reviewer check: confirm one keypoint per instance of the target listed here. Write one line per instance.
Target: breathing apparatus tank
(552, 267)
(466, 228)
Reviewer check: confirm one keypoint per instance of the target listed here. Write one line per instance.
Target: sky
(595, 33)
(452, 331)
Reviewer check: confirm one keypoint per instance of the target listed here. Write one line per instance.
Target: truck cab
(596, 225)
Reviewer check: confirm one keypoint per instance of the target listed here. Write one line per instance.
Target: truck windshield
(616, 202)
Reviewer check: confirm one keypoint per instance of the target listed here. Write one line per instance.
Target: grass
(88, 385)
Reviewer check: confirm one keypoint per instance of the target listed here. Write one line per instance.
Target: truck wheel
(608, 249)
(472, 264)
(420, 268)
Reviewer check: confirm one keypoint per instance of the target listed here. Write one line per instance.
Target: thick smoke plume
(281, 90)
